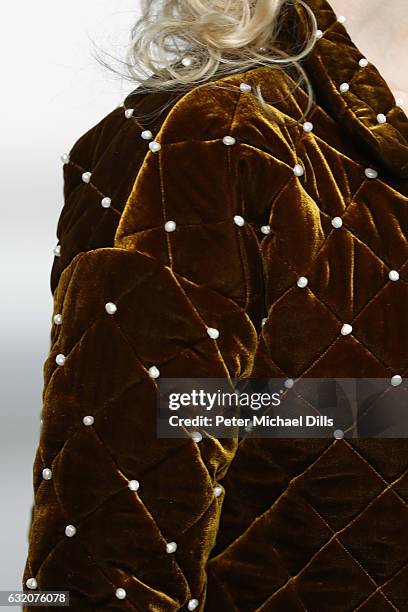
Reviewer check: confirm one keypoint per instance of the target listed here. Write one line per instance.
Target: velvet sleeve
(123, 519)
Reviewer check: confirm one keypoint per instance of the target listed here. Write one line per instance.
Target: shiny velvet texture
(316, 525)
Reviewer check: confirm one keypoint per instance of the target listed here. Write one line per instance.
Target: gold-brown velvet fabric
(301, 525)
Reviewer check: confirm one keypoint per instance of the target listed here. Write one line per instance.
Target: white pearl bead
(302, 282)
(70, 531)
(399, 101)
(171, 547)
(133, 485)
(344, 87)
(341, 19)
(196, 436)
(245, 87)
(60, 359)
(381, 118)
(371, 173)
(146, 135)
(86, 177)
(187, 60)
(120, 593)
(266, 229)
(363, 62)
(213, 333)
(264, 320)
(393, 275)
(229, 140)
(154, 372)
(128, 113)
(238, 220)
(57, 250)
(337, 222)
(192, 604)
(170, 226)
(31, 583)
(319, 34)
(346, 329)
(47, 474)
(88, 420)
(298, 170)
(217, 490)
(396, 380)
(65, 158)
(338, 434)
(106, 202)
(308, 126)
(58, 319)
(289, 382)
(110, 308)
(154, 146)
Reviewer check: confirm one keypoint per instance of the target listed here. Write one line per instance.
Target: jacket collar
(335, 60)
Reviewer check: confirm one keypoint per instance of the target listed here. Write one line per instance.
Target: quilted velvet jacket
(208, 223)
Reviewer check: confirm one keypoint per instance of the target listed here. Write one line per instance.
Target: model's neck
(378, 29)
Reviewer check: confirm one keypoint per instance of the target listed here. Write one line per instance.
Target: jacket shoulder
(105, 161)
(229, 105)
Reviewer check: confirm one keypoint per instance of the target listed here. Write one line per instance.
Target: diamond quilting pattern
(288, 319)
(380, 209)
(121, 395)
(379, 325)
(302, 522)
(344, 261)
(372, 550)
(320, 486)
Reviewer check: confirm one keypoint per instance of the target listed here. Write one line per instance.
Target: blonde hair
(180, 44)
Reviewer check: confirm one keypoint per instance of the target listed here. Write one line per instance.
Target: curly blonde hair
(180, 44)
